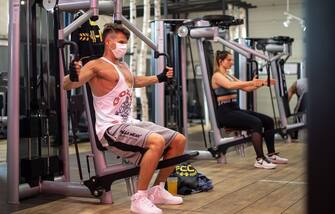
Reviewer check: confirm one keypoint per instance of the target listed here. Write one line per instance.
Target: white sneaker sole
(264, 167)
(278, 161)
(168, 202)
(132, 211)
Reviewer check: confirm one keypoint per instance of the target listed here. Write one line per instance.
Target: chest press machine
(214, 29)
(271, 47)
(60, 182)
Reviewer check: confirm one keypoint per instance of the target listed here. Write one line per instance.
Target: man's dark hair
(114, 28)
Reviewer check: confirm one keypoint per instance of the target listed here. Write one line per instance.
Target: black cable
(34, 75)
(250, 75)
(56, 68)
(74, 129)
(74, 120)
(270, 90)
(197, 92)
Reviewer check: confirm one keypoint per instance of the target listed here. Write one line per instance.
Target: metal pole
(138, 33)
(28, 18)
(276, 75)
(159, 66)
(247, 21)
(77, 23)
(232, 46)
(183, 60)
(118, 11)
(63, 109)
(242, 70)
(207, 86)
(250, 50)
(204, 32)
(223, 7)
(277, 57)
(94, 7)
(165, 9)
(13, 103)
(75, 5)
(64, 128)
(276, 48)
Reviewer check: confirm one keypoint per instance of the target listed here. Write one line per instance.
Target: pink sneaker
(140, 204)
(158, 195)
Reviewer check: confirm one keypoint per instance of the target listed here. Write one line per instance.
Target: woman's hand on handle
(257, 82)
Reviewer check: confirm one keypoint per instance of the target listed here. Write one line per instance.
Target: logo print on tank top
(124, 109)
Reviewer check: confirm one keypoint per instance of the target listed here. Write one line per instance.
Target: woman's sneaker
(264, 163)
(158, 195)
(278, 160)
(140, 204)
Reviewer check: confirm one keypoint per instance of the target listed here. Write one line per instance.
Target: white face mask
(120, 50)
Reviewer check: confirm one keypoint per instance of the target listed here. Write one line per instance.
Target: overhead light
(287, 22)
(290, 17)
(23, 2)
(303, 26)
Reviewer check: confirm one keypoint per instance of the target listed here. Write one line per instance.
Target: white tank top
(114, 107)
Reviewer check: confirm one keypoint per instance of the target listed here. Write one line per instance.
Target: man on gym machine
(299, 88)
(112, 85)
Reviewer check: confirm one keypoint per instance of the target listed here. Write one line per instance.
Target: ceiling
(182, 6)
(189, 6)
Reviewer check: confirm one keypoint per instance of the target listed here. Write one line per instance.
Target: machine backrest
(89, 40)
(91, 113)
(283, 87)
(209, 58)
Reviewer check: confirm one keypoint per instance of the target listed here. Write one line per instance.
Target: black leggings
(231, 116)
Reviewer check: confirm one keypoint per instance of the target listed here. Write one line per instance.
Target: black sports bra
(224, 91)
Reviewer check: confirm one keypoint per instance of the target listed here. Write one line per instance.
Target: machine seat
(100, 183)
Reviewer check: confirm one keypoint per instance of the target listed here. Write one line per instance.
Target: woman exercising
(226, 87)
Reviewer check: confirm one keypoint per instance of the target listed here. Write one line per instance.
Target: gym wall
(4, 19)
(267, 20)
(4, 36)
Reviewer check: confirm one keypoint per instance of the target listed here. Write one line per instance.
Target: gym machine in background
(170, 36)
(204, 31)
(170, 110)
(39, 158)
(270, 47)
(3, 104)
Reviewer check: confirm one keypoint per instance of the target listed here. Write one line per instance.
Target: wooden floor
(238, 188)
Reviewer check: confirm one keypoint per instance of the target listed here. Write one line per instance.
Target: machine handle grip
(72, 71)
(168, 63)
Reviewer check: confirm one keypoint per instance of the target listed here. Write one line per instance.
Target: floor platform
(238, 188)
